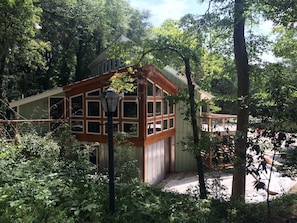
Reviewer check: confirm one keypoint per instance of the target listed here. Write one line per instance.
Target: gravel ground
(221, 184)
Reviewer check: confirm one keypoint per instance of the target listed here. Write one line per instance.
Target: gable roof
(181, 81)
(149, 70)
(102, 56)
(36, 97)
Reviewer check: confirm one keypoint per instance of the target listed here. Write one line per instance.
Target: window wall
(160, 113)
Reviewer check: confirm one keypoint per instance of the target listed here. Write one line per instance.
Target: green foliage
(123, 82)
(126, 165)
(39, 184)
(274, 97)
(204, 145)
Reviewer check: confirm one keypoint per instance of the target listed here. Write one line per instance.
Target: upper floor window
(150, 89)
(77, 126)
(94, 94)
(158, 91)
(115, 127)
(131, 128)
(93, 127)
(57, 107)
(134, 93)
(158, 108)
(150, 109)
(150, 128)
(77, 105)
(93, 108)
(158, 126)
(130, 109)
(171, 107)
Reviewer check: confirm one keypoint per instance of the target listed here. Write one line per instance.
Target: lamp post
(109, 101)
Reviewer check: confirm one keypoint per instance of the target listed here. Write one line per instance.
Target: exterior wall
(34, 110)
(150, 133)
(184, 160)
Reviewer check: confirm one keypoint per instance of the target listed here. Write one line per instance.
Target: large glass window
(130, 109)
(158, 91)
(150, 89)
(165, 124)
(56, 108)
(165, 104)
(158, 126)
(158, 108)
(115, 127)
(150, 128)
(171, 107)
(95, 93)
(131, 128)
(165, 107)
(93, 127)
(134, 93)
(171, 123)
(77, 105)
(77, 126)
(150, 109)
(93, 108)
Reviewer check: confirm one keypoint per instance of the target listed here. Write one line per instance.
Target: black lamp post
(109, 101)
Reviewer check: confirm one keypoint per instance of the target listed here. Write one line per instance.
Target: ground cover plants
(43, 179)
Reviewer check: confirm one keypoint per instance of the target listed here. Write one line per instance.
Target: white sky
(164, 9)
(174, 9)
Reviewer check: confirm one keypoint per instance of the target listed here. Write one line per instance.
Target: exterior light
(109, 101)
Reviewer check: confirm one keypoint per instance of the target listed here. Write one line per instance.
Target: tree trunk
(241, 61)
(194, 123)
(3, 97)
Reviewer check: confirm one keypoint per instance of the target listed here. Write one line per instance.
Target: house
(155, 125)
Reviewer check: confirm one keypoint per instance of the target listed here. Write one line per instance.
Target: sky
(174, 9)
(164, 9)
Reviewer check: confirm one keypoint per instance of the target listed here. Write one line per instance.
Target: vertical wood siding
(154, 162)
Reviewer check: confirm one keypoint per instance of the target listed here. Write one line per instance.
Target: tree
(281, 12)
(79, 30)
(274, 97)
(241, 61)
(18, 45)
(171, 45)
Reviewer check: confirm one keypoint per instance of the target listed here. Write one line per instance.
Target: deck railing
(10, 128)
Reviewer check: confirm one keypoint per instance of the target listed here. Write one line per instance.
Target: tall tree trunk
(241, 61)
(194, 123)
(79, 61)
(3, 96)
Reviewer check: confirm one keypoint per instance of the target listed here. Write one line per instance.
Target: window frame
(87, 109)
(156, 103)
(147, 89)
(82, 105)
(123, 109)
(93, 133)
(133, 123)
(153, 128)
(153, 109)
(77, 120)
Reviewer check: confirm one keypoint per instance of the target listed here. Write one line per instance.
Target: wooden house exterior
(144, 114)
(155, 125)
